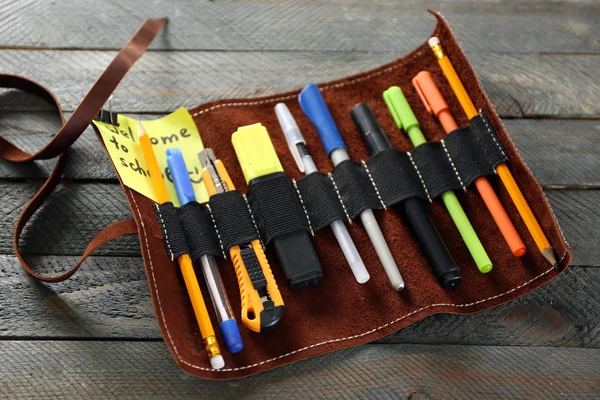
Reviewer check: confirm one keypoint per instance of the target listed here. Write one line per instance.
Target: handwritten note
(174, 130)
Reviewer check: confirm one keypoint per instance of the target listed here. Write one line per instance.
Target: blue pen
(210, 269)
(313, 105)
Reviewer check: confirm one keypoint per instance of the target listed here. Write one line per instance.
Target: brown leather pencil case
(338, 312)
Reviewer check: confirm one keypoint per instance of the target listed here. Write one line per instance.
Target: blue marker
(315, 108)
(210, 269)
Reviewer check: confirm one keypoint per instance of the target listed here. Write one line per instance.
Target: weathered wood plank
(518, 85)
(560, 153)
(376, 26)
(109, 298)
(76, 212)
(563, 313)
(555, 161)
(575, 212)
(31, 131)
(69, 219)
(90, 369)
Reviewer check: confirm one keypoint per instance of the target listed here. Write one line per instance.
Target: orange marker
(434, 103)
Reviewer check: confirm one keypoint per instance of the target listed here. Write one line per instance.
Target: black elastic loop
(320, 200)
(355, 188)
(232, 218)
(173, 236)
(435, 169)
(387, 178)
(488, 140)
(276, 206)
(199, 230)
(468, 156)
(395, 177)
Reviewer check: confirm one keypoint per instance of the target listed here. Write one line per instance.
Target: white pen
(305, 163)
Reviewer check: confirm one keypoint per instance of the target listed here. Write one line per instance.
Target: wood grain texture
(519, 85)
(69, 219)
(91, 369)
(109, 298)
(375, 26)
(563, 313)
(560, 153)
(76, 212)
(536, 59)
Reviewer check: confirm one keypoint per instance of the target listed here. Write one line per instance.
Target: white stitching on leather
(162, 314)
(503, 127)
(254, 222)
(212, 217)
(144, 234)
(373, 183)
(419, 174)
(324, 87)
(452, 164)
(330, 175)
(164, 230)
(487, 126)
(303, 207)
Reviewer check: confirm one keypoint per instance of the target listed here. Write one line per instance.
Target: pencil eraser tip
(217, 362)
(433, 41)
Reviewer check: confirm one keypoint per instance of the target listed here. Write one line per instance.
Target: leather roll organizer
(337, 312)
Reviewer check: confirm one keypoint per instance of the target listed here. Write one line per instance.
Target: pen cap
(400, 109)
(430, 95)
(316, 110)
(371, 132)
(255, 152)
(180, 176)
(292, 133)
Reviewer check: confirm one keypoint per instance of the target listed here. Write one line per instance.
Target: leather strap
(71, 130)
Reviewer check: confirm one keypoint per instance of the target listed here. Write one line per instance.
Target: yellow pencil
(503, 172)
(185, 263)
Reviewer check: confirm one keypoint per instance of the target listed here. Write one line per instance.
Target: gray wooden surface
(95, 335)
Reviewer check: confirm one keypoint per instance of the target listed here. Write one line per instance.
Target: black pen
(413, 210)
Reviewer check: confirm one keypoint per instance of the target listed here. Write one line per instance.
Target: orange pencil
(503, 172)
(434, 103)
(185, 262)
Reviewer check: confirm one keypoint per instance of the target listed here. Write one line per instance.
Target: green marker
(405, 119)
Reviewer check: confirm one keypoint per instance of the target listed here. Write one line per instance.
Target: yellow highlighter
(261, 167)
(262, 304)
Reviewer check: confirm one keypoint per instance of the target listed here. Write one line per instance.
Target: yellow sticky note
(174, 130)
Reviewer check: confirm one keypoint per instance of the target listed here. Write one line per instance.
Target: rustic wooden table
(95, 335)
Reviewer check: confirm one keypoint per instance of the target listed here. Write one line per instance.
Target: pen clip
(430, 94)
(400, 109)
(387, 97)
(292, 133)
(416, 84)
